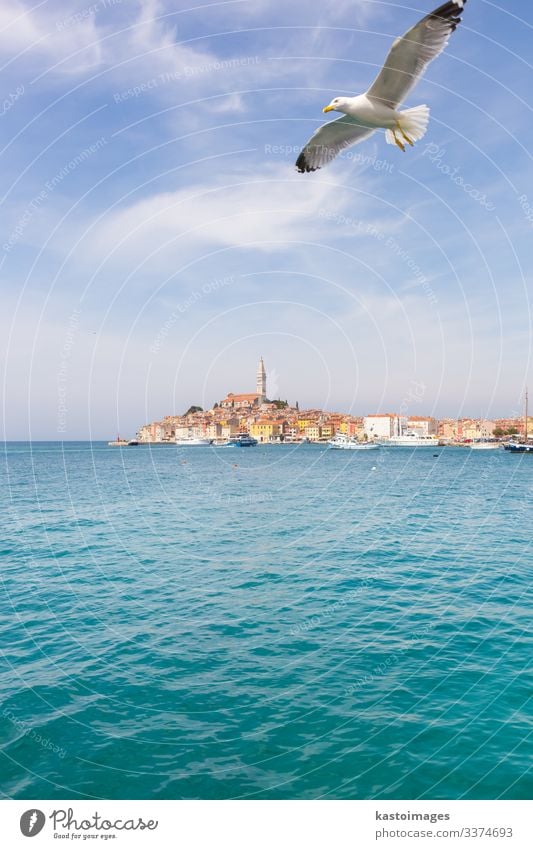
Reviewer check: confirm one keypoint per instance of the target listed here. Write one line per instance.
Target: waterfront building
(267, 430)
(422, 425)
(154, 432)
(384, 425)
(145, 433)
(305, 422)
(516, 425)
(231, 427)
(183, 432)
(477, 429)
(328, 430)
(448, 429)
(353, 428)
(213, 431)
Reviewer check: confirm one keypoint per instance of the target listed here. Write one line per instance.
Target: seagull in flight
(406, 63)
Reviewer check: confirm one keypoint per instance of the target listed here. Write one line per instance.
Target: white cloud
(270, 211)
(353, 12)
(91, 37)
(38, 33)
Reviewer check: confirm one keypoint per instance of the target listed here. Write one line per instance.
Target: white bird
(407, 61)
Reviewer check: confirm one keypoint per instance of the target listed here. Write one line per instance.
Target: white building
(213, 431)
(383, 425)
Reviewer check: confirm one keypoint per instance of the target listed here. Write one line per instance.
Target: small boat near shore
(122, 443)
(519, 447)
(193, 442)
(484, 446)
(349, 443)
(242, 440)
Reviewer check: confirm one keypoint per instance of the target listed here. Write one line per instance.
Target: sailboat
(524, 447)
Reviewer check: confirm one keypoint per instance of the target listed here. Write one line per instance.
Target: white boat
(410, 439)
(349, 443)
(485, 446)
(193, 442)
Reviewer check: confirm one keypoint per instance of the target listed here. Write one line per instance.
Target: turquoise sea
(276, 622)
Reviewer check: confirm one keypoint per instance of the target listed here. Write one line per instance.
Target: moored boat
(519, 447)
(524, 447)
(410, 439)
(193, 442)
(349, 443)
(118, 442)
(242, 440)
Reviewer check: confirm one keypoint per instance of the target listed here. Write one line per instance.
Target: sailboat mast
(525, 428)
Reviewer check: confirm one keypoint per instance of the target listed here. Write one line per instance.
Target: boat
(525, 447)
(484, 446)
(118, 442)
(350, 443)
(410, 439)
(133, 442)
(519, 447)
(193, 442)
(242, 440)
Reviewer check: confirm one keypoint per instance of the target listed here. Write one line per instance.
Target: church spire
(261, 380)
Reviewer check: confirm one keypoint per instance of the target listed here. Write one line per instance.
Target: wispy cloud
(269, 212)
(37, 36)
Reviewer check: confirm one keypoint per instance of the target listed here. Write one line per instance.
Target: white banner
(268, 824)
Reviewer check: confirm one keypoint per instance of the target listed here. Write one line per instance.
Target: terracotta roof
(250, 396)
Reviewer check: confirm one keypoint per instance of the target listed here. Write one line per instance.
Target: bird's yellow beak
(329, 108)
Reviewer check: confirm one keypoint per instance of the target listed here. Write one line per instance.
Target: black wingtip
(302, 166)
(450, 11)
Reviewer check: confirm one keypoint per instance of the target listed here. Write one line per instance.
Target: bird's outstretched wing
(328, 141)
(410, 55)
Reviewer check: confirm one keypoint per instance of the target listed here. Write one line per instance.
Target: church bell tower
(261, 385)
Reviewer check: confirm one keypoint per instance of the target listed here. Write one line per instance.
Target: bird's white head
(338, 104)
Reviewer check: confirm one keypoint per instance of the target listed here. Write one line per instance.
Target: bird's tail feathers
(414, 123)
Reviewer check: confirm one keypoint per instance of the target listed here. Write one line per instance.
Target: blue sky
(156, 239)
